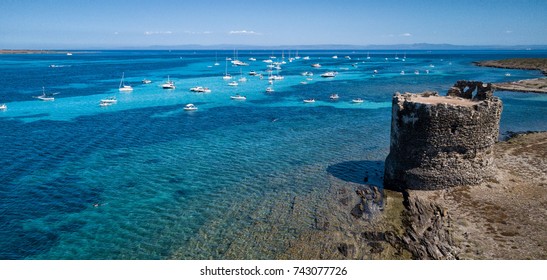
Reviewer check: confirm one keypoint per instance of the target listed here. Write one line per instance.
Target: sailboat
(169, 84)
(124, 87)
(226, 75)
(46, 97)
(216, 60)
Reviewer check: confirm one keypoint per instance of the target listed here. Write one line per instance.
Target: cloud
(157, 32)
(406, 34)
(198, 32)
(244, 32)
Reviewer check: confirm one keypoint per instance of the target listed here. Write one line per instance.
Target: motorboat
(111, 100)
(357, 100)
(146, 81)
(108, 101)
(168, 84)
(330, 74)
(3, 107)
(316, 65)
(190, 107)
(239, 63)
(252, 59)
(200, 89)
(276, 77)
(334, 96)
(335, 57)
(269, 90)
(123, 86)
(238, 97)
(253, 73)
(307, 73)
(309, 100)
(233, 84)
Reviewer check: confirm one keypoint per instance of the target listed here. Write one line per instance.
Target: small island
(538, 85)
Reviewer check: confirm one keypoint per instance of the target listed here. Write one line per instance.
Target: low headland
(538, 85)
(31, 51)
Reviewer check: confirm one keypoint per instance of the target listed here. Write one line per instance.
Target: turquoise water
(144, 179)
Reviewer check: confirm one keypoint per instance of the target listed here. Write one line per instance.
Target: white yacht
(307, 73)
(190, 107)
(269, 90)
(3, 107)
(108, 101)
(123, 86)
(146, 81)
(334, 96)
(330, 74)
(311, 100)
(316, 65)
(357, 100)
(168, 84)
(200, 89)
(239, 63)
(233, 84)
(238, 97)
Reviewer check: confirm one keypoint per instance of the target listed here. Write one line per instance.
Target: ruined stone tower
(443, 141)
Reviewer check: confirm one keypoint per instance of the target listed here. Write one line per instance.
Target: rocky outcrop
(443, 141)
(428, 230)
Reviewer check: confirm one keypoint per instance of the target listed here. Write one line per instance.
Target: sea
(235, 179)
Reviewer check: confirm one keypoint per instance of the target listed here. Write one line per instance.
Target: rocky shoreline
(538, 85)
(502, 218)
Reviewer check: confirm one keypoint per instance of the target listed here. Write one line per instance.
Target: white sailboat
(123, 86)
(226, 75)
(46, 97)
(169, 84)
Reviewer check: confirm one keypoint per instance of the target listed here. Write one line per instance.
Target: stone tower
(443, 141)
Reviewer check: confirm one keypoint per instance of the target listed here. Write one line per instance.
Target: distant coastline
(30, 51)
(538, 85)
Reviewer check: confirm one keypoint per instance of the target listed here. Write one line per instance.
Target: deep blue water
(143, 179)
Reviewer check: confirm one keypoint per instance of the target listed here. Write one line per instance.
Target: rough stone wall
(445, 143)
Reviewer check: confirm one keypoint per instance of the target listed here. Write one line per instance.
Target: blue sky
(118, 24)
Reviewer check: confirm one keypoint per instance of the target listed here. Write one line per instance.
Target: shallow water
(143, 179)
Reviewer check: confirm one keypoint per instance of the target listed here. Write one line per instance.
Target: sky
(49, 24)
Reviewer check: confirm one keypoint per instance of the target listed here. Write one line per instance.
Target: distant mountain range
(419, 46)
